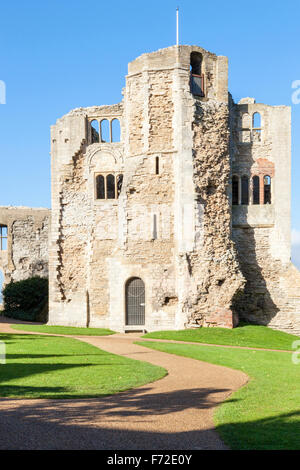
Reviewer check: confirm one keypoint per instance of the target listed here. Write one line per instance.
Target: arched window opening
(100, 187)
(245, 190)
(105, 134)
(267, 190)
(110, 187)
(235, 190)
(95, 131)
(246, 121)
(256, 121)
(119, 184)
(115, 130)
(255, 190)
(3, 237)
(256, 127)
(197, 79)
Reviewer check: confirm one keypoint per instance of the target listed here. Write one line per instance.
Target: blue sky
(61, 54)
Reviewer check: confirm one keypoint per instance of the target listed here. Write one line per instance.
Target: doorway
(135, 301)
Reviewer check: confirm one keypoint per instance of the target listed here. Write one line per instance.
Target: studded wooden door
(135, 302)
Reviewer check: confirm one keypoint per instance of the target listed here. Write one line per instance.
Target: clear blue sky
(61, 54)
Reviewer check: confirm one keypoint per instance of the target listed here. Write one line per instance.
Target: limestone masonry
(181, 219)
(23, 242)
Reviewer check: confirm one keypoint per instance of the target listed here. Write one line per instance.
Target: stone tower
(167, 226)
(141, 233)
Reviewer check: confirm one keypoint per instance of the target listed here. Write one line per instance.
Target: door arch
(135, 301)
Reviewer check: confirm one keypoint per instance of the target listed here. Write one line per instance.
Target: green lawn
(64, 330)
(245, 335)
(57, 367)
(264, 414)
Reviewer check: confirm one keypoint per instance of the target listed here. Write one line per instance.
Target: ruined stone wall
(172, 224)
(217, 279)
(262, 231)
(27, 243)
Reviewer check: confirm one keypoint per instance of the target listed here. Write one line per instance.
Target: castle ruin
(184, 219)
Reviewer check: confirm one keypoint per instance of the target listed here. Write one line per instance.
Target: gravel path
(173, 413)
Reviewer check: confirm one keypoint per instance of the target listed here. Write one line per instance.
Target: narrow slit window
(154, 234)
(235, 190)
(95, 131)
(100, 187)
(110, 187)
(157, 165)
(245, 190)
(255, 189)
(3, 237)
(267, 190)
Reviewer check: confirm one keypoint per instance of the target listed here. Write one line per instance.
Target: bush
(26, 300)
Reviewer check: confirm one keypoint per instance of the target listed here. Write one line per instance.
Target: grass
(264, 414)
(63, 330)
(58, 367)
(245, 335)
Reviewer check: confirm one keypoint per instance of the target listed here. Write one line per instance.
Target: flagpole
(177, 29)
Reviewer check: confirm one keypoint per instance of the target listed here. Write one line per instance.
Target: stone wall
(262, 232)
(27, 244)
(214, 267)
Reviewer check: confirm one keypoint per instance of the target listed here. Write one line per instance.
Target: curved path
(173, 413)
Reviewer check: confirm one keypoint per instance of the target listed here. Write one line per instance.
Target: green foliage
(27, 299)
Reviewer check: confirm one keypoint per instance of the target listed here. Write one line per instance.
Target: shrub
(27, 300)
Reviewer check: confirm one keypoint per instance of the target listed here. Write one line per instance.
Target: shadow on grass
(275, 433)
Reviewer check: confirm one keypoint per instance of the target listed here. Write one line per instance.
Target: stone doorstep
(135, 329)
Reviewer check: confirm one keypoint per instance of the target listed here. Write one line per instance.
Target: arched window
(100, 187)
(119, 184)
(115, 130)
(256, 121)
(267, 190)
(110, 187)
(235, 190)
(256, 127)
(197, 80)
(245, 190)
(255, 190)
(105, 134)
(246, 121)
(95, 131)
